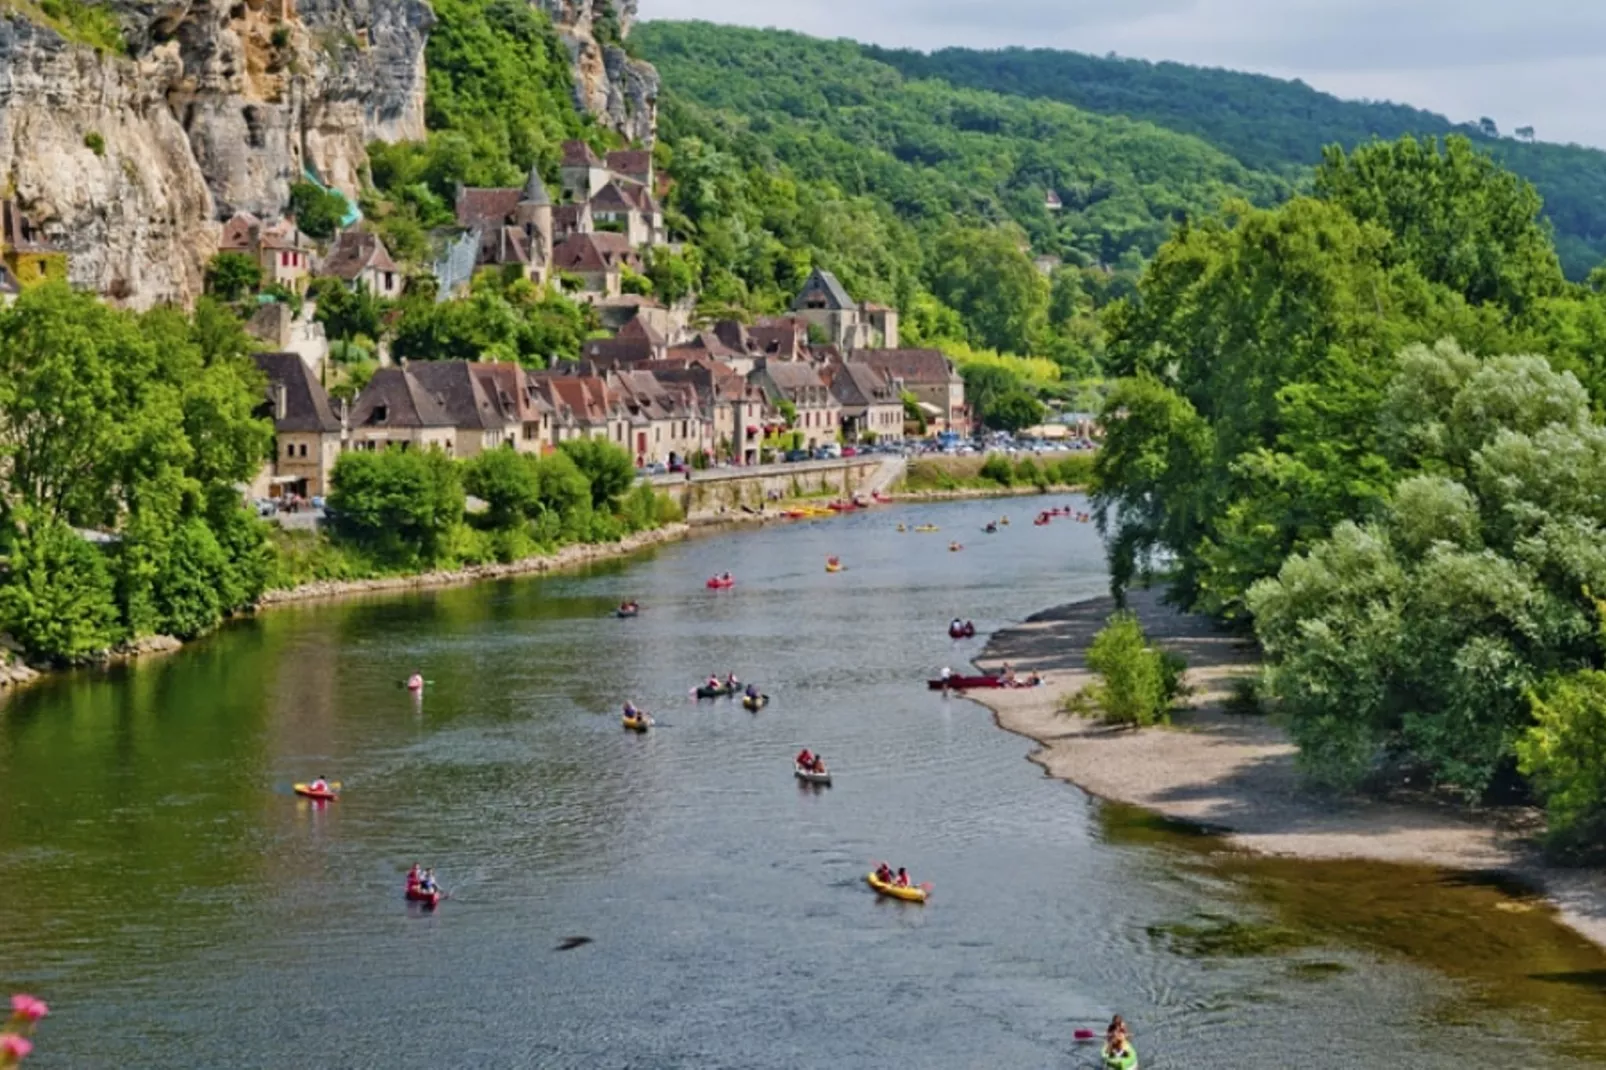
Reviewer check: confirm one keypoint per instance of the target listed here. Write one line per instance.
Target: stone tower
(533, 213)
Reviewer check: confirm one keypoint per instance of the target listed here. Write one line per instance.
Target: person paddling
(319, 785)
(414, 876)
(805, 759)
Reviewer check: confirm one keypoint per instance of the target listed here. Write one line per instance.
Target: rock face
(128, 162)
(620, 92)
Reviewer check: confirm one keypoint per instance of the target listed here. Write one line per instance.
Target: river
(180, 908)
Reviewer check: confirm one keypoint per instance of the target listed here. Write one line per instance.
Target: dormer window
(381, 413)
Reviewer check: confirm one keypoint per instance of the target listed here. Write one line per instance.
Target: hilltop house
(824, 303)
(309, 432)
(360, 259)
(279, 248)
(509, 225)
(597, 261)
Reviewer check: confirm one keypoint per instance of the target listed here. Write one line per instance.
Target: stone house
(665, 424)
(530, 412)
(819, 414)
(26, 256)
(309, 431)
(481, 417)
(732, 408)
(870, 404)
(583, 175)
(360, 259)
(571, 219)
(628, 209)
(582, 407)
(927, 374)
(634, 165)
(510, 226)
(597, 261)
(280, 250)
(616, 312)
(825, 304)
(709, 346)
(395, 411)
(636, 343)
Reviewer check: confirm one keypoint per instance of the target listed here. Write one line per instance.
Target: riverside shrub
(1137, 681)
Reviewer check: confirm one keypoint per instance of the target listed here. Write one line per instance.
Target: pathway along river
(179, 908)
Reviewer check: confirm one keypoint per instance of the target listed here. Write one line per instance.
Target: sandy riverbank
(1236, 774)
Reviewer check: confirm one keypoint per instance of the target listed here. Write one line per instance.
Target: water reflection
(180, 908)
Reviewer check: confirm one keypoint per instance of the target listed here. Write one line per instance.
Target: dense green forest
(1364, 423)
(1270, 124)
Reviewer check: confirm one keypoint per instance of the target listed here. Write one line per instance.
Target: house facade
(309, 431)
(930, 376)
(509, 225)
(872, 410)
(395, 411)
(824, 303)
(280, 250)
(819, 415)
(360, 260)
(481, 418)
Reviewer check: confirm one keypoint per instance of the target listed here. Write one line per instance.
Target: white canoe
(810, 777)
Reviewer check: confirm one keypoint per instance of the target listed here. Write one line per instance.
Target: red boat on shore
(965, 683)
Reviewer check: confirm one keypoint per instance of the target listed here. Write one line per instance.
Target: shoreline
(1234, 774)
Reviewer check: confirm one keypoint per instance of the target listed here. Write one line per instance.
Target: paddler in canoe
(1118, 1053)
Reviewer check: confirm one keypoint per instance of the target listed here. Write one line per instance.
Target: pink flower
(14, 1047)
(28, 1008)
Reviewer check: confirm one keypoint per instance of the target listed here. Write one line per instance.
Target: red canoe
(430, 900)
(965, 683)
(717, 584)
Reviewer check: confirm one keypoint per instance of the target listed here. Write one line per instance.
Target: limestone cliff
(128, 161)
(621, 92)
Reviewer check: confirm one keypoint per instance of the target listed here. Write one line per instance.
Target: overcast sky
(1529, 62)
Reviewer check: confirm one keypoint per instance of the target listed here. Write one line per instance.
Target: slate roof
(480, 207)
(356, 251)
(859, 385)
(640, 330)
(535, 190)
(611, 198)
(511, 387)
(579, 154)
(927, 366)
(611, 352)
(404, 400)
(306, 405)
(822, 281)
(462, 394)
(633, 163)
(792, 377)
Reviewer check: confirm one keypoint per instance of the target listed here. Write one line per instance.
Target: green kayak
(1127, 1060)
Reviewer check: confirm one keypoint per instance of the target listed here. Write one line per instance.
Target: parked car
(849, 451)
(656, 468)
(797, 455)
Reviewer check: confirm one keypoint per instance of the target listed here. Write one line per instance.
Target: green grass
(82, 23)
(998, 472)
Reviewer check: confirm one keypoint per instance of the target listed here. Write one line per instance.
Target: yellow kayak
(637, 724)
(832, 568)
(910, 894)
(926, 528)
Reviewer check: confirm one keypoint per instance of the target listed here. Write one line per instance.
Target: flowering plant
(14, 1043)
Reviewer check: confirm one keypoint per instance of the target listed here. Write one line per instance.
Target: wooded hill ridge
(1273, 129)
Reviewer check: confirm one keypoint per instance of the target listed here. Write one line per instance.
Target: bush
(231, 276)
(57, 600)
(1565, 754)
(508, 483)
(998, 469)
(318, 211)
(95, 143)
(1027, 473)
(606, 467)
(400, 505)
(1138, 682)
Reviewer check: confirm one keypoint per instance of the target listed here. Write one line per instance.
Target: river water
(181, 908)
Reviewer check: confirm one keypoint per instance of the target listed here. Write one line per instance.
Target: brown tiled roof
(615, 245)
(404, 400)
(282, 234)
(784, 342)
(356, 251)
(511, 386)
(462, 394)
(579, 252)
(707, 343)
(611, 198)
(911, 365)
(480, 207)
(579, 154)
(236, 236)
(306, 405)
(640, 196)
(612, 352)
(567, 218)
(581, 399)
(636, 163)
(640, 330)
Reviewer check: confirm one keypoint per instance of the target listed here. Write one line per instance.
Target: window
(289, 449)
(303, 449)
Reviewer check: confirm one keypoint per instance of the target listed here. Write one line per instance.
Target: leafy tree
(1565, 753)
(346, 312)
(318, 211)
(984, 275)
(57, 601)
(399, 504)
(1014, 411)
(607, 468)
(507, 482)
(231, 276)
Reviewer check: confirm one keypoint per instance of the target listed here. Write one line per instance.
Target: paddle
(403, 683)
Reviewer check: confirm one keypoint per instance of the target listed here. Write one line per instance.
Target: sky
(1536, 63)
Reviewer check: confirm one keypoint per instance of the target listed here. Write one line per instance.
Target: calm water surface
(180, 908)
